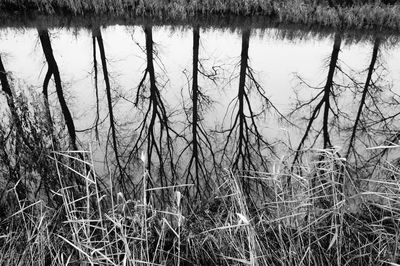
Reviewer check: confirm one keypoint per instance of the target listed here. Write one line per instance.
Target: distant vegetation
(336, 13)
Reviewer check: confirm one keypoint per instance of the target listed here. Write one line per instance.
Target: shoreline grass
(330, 223)
(365, 16)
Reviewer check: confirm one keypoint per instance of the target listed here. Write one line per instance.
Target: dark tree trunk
(327, 92)
(241, 92)
(195, 99)
(328, 89)
(371, 69)
(53, 69)
(3, 79)
(98, 36)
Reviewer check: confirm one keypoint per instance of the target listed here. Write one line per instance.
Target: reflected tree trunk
(158, 110)
(328, 90)
(159, 142)
(54, 71)
(247, 154)
(371, 69)
(195, 98)
(122, 180)
(96, 122)
(198, 171)
(3, 79)
(324, 103)
(376, 121)
(245, 146)
(241, 93)
(72, 180)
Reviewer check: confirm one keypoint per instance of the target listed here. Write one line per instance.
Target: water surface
(196, 100)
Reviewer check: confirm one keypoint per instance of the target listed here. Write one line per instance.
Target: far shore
(316, 14)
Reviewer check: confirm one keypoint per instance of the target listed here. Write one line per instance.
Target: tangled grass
(365, 16)
(323, 217)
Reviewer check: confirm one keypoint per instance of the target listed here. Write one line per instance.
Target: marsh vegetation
(377, 14)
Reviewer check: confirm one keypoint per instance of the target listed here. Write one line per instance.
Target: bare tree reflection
(54, 71)
(323, 103)
(155, 133)
(96, 86)
(70, 162)
(365, 93)
(326, 102)
(245, 147)
(375, 123)
(3, 79)
(244, 136)
(198, 170)
(122, 180)
(23, 140)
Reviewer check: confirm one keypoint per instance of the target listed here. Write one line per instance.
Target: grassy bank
(365, 16)
(313, 223)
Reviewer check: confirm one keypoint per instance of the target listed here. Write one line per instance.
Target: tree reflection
(70, 178)
(155, 133)
(4, 81)
(244, 136)
(375, 123)
(24, 136)
(323, 103)
(326, 102)
(245, 147)
(122, 180)
(54, 71)
(365, 92)
(198, 170)
(371, 123)
(96, 87)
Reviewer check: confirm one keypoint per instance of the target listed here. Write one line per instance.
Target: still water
(195, 100)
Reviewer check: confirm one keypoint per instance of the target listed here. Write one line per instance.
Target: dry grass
(367, 16)
(321, 218)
